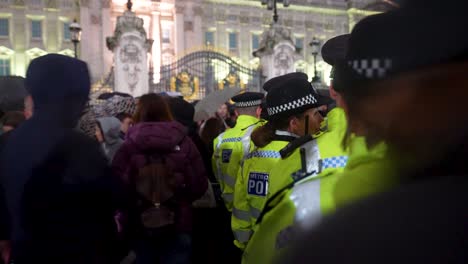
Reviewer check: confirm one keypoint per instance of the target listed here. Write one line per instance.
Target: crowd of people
(370, 171)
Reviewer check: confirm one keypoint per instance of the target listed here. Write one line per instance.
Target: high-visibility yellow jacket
(252, 186)
(303, 201)
(369, 171)
(230, 148)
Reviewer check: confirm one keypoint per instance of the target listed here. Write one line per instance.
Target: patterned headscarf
(115, 105)
(87, 122)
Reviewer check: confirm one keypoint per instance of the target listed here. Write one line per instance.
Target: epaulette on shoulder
(293, 145)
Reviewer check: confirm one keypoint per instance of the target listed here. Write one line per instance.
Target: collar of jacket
(245, 121)
(282, 135)
(359, 153)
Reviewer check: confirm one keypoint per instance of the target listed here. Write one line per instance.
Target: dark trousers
(213, 238)
(174, 250)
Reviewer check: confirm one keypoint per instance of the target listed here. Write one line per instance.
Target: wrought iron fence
(205, 71)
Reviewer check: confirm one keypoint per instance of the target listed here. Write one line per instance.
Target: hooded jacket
(59, 191)
(110, 127)
(185, 161)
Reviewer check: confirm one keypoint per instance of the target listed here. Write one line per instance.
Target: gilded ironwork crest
(232, 80)
(186, 84)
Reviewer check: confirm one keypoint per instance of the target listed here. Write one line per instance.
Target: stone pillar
(51, 24)
(179, 28)
(199, 35)
(18, 42)
(156, 48)
(130, 46)
(91, 47)
(106, 31)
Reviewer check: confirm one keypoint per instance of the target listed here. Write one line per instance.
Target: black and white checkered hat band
(248, 103)
(306, 100)
(371, 68)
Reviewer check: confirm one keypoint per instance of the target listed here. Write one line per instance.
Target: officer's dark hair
(354, 94)
(263, 135)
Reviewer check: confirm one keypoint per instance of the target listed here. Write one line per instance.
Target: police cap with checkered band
(291, 95)
(247, 99)
(334, 50)
(274, 82)
(411, 38)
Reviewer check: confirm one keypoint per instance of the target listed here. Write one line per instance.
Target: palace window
(36, 29)
(166, 35)
(300, 43)
(66, 30)
(4, 67)
(209, 38)
(4, 27)
(232, 41)
(255, 41)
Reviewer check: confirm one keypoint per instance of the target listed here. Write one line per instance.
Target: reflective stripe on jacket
(252, 188)
(229, 149)
(303, 203)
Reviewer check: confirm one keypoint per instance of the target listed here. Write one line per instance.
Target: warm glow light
(166, 6)
(326, 69)
(220, 72)
(141, 5)
(119, 2)
(244, 77)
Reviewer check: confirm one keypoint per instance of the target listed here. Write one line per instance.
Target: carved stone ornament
(283, 60)
(271, 37)
(129, 22)
(131, 57)
(130, 46)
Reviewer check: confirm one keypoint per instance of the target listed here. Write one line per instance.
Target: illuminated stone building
(30, 28)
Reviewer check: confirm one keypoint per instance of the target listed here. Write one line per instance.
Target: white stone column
(90, 51)
(107, 31)
(18, 42)
(155, 34)
(51, 31)
(199, 35)
(179, 28)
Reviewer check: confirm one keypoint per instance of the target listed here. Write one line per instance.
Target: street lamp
(271, 5)
(75, 32)
(315, 44)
